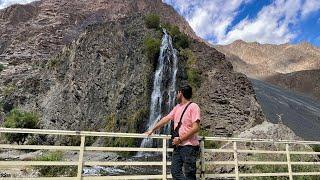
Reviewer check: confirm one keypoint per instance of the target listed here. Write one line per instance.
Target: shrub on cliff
(193, 74)
(180, 40)
(1, 67)
(20, 119)
(152, 21)
(152, 47)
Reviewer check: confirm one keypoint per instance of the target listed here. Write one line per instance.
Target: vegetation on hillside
(20, 119)
(53, 171)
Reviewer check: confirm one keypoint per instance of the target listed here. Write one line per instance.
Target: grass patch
(52, 171)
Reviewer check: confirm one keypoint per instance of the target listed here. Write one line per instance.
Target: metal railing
(231, 146)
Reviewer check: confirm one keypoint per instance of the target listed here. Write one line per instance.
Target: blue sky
(263, 21)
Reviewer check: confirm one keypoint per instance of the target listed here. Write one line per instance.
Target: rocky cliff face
(82, 66)
(307, 82)
(265, 60)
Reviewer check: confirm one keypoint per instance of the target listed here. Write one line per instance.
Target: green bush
(193, 75)
(8, 90)
(53, 63)
(53, 171)
(152, 21)
(209, 144)
(2, 67)
(20, 119)
(180, 40)
(172, 30)
(152, 47)
(316, 147)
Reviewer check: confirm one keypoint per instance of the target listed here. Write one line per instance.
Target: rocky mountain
(289, 66)
(260, 61)
(307, 82)
(39, 30)
(82, 65)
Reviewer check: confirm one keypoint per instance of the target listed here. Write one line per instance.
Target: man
(186, 146)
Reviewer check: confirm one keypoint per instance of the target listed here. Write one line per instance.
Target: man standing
(186, 146)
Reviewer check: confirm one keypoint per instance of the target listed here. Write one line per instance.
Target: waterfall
(164, 85)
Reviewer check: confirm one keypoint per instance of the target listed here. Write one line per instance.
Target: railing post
(289, 162)
(164, 158)
(202, 160)
(80, 162)
(235, 155)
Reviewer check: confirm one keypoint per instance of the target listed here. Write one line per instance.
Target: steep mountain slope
(39, 30)
(298, 112)
(266, 60)
(82, 65)
(307, 82)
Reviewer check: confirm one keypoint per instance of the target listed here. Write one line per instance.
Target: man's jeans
(184, 156)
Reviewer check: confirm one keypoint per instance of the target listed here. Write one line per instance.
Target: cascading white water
(164, 85)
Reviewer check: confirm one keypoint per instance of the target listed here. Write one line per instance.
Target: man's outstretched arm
(160, 124)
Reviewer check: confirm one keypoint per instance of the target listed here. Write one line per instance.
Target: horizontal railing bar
(306, 173)
(90, 148)
(89, 177)
(263, 162)
(79, 133)
(219, 175)
(136, 135)
(38, 163)
(261, 151)
(39, 147)
(39, 178)
(169, 163)
(219, 162)
(170, 176)
(253, 140)
(122, 177)
(219, 150)
(262, 174)
(304, 152)
(246, 162)
(305, 163)
(123, 163)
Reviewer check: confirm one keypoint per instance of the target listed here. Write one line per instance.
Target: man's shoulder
(194, 105)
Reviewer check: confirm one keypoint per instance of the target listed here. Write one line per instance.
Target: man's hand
(148, 133)
(176, 141)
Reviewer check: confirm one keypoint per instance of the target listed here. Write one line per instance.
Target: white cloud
(208, 17)
(310, 6)
(6, 3)
(212, 19)
(270, 26)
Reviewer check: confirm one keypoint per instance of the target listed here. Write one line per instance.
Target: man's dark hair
(186, 91)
